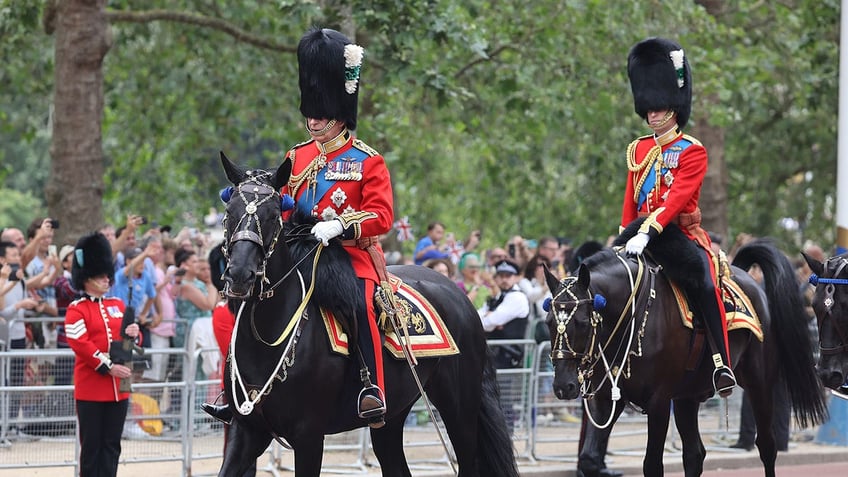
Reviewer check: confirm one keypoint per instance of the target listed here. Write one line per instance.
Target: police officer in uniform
(665, 173)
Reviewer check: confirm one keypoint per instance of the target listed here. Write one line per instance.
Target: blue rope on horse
(815, 280)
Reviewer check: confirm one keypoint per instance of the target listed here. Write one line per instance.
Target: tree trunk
(713, 200)
(74, 190)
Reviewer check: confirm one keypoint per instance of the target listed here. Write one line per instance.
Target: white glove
(324, 231)
(637, 244)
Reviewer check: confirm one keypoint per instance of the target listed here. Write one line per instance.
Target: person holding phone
(16, 301)
(44, 267)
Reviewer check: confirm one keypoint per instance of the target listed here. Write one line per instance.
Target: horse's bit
(829, 301)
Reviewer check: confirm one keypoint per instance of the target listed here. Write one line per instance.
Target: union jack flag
(404, 230)
(456, 250)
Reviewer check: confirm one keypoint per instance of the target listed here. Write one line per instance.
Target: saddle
(740, 312)
(426, 333)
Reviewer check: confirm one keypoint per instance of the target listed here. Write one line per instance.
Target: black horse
(282, 378)
(616, 332)
(830, 304)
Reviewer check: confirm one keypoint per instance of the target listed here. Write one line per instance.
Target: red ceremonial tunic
(91, 328)
(344, 179)
(664, 184)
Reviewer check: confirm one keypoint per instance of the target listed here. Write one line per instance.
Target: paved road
(834, 469)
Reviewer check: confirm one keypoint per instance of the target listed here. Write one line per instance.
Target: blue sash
(675, 150)
(322, 185)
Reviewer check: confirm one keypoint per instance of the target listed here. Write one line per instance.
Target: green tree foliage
(512, 117)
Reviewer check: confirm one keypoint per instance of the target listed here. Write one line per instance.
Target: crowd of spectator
(172, 281)
(164, 277)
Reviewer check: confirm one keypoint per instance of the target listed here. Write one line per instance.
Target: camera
(511, 250)
(143, 220)
(54, 223)
(13, 275)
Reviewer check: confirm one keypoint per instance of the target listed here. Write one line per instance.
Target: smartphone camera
(143, 220)
(13, 275)
(511, 250)
(54, 223)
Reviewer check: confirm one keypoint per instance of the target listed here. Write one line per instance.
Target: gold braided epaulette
(692, 140)
(301, 144)
(357, 143)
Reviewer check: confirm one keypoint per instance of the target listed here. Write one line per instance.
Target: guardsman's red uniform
(91, 325)
(654, 166)
(665, 173)
(344, 179)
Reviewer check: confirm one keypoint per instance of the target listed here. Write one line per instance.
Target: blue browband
(815, 280)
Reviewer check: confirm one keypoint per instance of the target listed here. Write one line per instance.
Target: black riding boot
(221, 412)
(723, 379)
(372, 403)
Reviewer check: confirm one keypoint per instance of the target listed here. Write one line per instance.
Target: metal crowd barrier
(38, 422)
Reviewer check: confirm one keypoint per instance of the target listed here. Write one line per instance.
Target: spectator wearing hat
(474, 281)
(92, 323)
(504, 315)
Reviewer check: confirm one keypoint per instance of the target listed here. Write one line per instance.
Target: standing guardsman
(92, 324)
(665, 172)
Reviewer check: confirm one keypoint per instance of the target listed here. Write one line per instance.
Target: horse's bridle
(563, 311)
(829, 301)
(244, 229)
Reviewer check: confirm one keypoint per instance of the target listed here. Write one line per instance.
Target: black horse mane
(336, 284)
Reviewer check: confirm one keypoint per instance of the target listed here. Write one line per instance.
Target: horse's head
(252, 224)
(573, 324)
(830, 304)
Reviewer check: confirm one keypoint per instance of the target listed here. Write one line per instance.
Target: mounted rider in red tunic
(665, 172)
(345, 183)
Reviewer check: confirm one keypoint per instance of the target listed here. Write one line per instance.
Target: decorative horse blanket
(428, 335)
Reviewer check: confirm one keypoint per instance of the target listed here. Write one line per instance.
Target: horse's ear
(234, 174)
(281, 178)
(551, 280)
(816, 266)
(583, 276)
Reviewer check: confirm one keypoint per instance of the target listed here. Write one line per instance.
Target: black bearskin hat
(92, 257)
(329, 65)
(660, 78)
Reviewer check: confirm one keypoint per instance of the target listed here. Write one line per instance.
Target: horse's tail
(495, 454)
(789, 329)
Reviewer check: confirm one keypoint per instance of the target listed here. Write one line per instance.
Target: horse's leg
(686, 420)
(459, 414)
(387, 444)
(308, 455)
(658, 416)
(244, 446)
(762, 400)
(593, 452)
